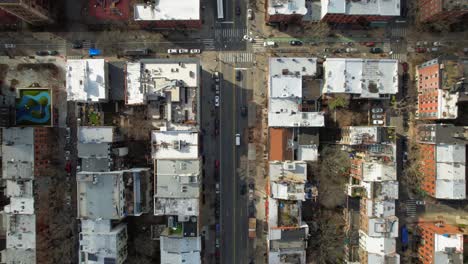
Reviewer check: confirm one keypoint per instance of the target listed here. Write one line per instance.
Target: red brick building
(279, 150)
(437, 93)
(285, 11)
(440, 243)
(360, 11)
(169, 14)
(441, 10)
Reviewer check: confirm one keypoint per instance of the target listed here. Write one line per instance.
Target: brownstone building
(35, 12)
(441, 10)
(359, 11)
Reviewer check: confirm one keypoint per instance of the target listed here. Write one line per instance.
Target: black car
(77, 45)
(295, 43)
(243, 110)
(238, 11)
(238, 75)
(46, 53)
(243, 189)
(376, 50)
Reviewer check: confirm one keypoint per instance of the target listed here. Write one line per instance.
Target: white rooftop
(95, 135)
(362, 135)
(376, 171)
(18, 153)
(382, 227)
(99, 241)
(450, 171)
(174, 144)
(307, 152)
(368, 78)
(361, 7)
(380, 208)
(386, 190)
(168, 10)
(285, 93)
(443, 241)
(86, 80)
(180, 250)
(21, 231)
(19, 205)
(377, 245)
(157, 77)
(287, 7)
(447, 105)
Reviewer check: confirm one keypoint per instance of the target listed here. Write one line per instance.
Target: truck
(252, 227)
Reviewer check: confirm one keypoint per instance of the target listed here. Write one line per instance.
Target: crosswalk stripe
(237, 57)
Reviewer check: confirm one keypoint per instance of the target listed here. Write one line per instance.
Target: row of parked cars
(183, 51)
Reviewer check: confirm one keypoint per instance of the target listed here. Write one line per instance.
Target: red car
(370, 44)
(68, 167)
(420, 50)
(217, 164)
(404, 65)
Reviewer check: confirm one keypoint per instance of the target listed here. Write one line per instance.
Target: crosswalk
(237, 57)
(411, 208)
(208, 44)
(230, 33)
(398, 30)
(257, 45)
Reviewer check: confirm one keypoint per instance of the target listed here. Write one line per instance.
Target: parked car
(216, 100)
(217, 164)
(238, 11)
(217, 187)
(377, 122)
(249, 14)
(377, 116)
(215, 77)
(47, 53)
(295, 43)
(420, 50)
(217, 89)
(172, 51)
(405, 67)
(243, 189)
(269, 44)
(238, 75)
(68, 167)
(10, 46)
(195, 51)
(370, 44)
(77, 45)
(376, 50)
(377, 110)
(437, 44)
(243, 110)
(183, 51)
(351, 50)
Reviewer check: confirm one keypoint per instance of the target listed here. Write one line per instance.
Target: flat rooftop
(361, 7)
(100, 195)
(287, 7)
(152, 78)
(180, 250)
(286, 93)
(168, 10)
(368, 78)
(86, 80)
(95, 135)
(18, 153)
(178, 178)
(174, 144)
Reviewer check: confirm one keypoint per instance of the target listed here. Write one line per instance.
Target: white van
(237, 139)
(269, 44)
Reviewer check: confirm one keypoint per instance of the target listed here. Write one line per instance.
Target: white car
(10, 46)
(249, 14)
(217, 100)
(195, 51)
(248, 38)
(172, 51)
(377, 122)
(183, 51)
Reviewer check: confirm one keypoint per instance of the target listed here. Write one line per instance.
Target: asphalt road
(234, 222)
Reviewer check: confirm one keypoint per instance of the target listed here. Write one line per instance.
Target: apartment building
(285, 11)
(443, 160)
(35, 12)
(440, 242)
(169, 14)
(359, 11)
(360, 78)
(288, 234)
(292, 85)
(439, 83)
(86, 80)
(441, 10)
